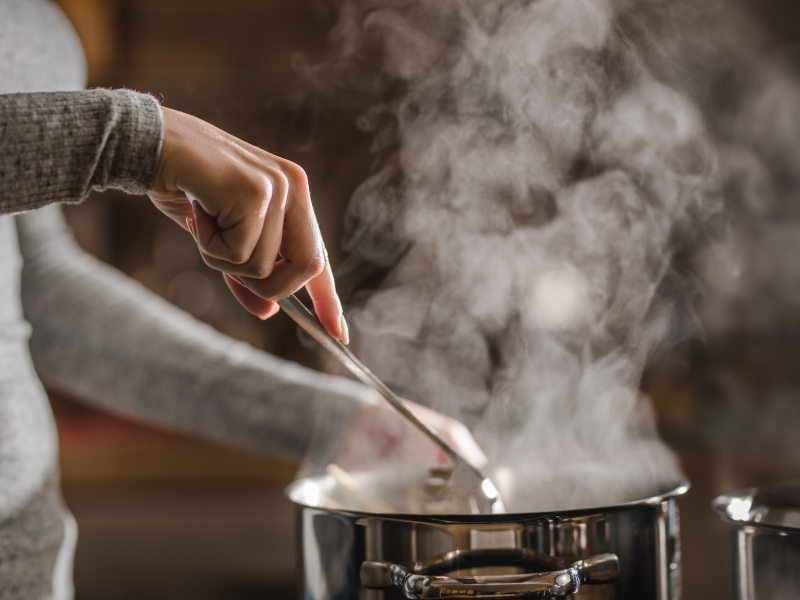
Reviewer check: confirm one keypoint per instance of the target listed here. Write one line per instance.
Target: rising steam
(535, 175)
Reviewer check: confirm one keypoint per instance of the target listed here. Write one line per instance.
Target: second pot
(766, 540)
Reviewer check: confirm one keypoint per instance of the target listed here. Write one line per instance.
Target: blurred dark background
(165, 516)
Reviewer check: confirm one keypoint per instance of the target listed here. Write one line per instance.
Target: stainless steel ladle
(481, 494)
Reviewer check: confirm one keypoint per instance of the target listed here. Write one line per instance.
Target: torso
(38, 52)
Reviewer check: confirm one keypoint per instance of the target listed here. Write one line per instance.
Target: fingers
(304, 260)
(248, 207)
(322, 290)
(289, 229)
(287, 277)
(286, 226)
(230, 182)
(262, 260)
(231, 234)
(261, 308)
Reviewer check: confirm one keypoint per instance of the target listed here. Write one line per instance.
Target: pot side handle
(598, 569)
(601, 568)
(376, 574)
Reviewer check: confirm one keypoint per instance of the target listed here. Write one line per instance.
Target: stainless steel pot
(630, 551)
(766, 541)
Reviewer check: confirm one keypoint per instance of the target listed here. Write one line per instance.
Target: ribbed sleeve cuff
(129, 159)
(59, 146)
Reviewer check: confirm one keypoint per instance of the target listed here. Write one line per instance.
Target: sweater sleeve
(59, 146)
(104, 338)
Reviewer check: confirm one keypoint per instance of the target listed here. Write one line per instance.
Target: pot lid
(776, 506)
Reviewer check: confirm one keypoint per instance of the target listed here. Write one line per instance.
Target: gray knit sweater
(91, 331)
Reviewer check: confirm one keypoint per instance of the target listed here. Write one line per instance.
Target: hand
(379, 434)
(250, 213)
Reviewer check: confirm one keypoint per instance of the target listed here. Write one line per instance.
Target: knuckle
(316, 264)
(250, 192)
(298, 179)
(281, 182)
(261, 271)
(296, 173)
(258, 188)
(238, 256)
(279, 187)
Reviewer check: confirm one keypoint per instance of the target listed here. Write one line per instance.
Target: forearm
(59, 146)
(102, 337)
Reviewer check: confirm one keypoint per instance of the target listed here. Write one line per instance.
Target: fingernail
(345, 331)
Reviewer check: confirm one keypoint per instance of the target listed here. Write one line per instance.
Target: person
(90, 331)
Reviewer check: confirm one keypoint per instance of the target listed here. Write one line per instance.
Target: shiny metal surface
(766, 540)
(378, 575)
(475, 488)
(422, 579)
(629, 551)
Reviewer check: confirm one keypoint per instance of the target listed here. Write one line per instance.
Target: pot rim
(742, 508)
(293, 489)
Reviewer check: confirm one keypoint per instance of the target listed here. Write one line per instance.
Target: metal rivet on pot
(563, 579)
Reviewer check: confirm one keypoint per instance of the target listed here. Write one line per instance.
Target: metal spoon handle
(293, 307)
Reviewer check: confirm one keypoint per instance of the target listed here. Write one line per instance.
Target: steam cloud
(539, 164)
